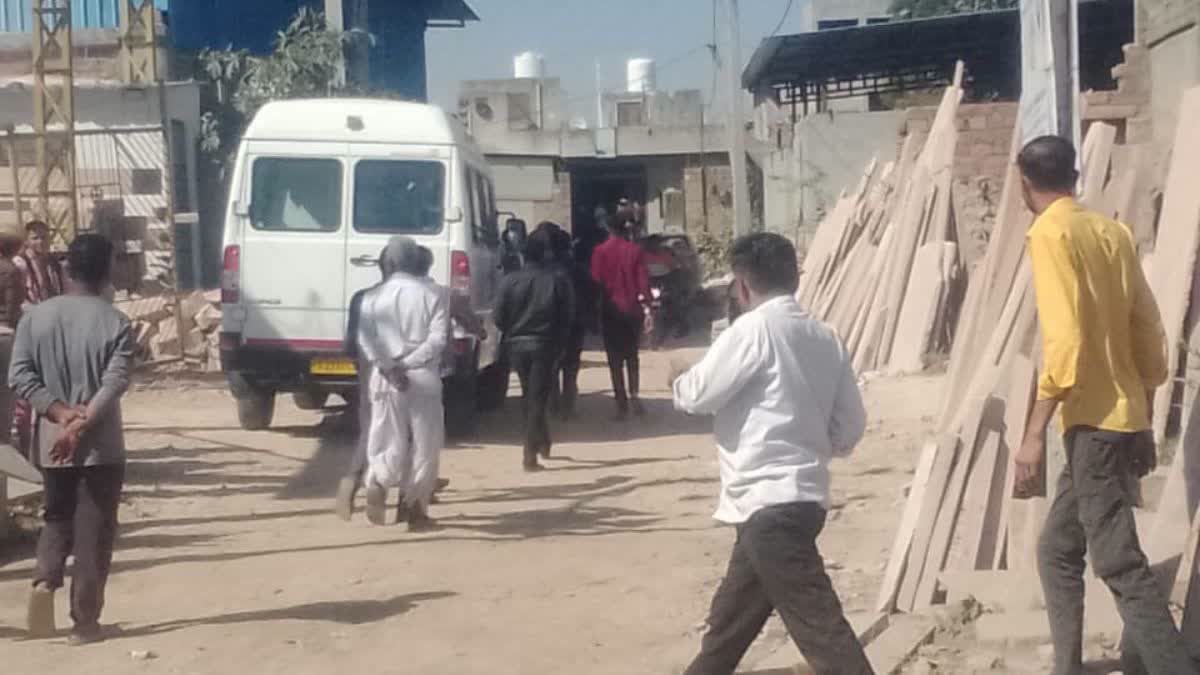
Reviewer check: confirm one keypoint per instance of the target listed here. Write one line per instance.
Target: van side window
(486, 230)
(296, 194)
(470, 210)
(399, 196)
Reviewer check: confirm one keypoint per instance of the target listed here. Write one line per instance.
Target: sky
(573, 35)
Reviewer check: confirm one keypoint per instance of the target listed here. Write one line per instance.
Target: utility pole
(736, 124)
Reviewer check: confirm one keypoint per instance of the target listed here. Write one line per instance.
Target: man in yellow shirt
(1103, 355)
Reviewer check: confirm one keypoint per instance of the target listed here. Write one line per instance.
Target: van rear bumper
(257, 369)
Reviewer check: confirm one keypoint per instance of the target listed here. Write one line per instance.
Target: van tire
(493, 386)
(310, 400)
(462, 405)
(256, 411)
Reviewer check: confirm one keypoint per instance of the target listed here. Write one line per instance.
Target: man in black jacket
(534, 313)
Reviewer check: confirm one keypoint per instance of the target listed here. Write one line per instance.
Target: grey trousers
(81, 522)
(775, 566)
(1093, 513)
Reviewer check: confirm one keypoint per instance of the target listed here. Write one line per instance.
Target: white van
(318, 188)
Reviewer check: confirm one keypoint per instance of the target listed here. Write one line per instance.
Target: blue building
(395, 56)
(393, 61)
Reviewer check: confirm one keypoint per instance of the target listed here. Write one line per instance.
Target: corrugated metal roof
(16, 16)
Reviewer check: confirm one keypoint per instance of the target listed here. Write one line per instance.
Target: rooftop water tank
(640, 76)
(529, 65)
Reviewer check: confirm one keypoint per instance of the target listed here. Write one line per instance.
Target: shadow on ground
(349, 612)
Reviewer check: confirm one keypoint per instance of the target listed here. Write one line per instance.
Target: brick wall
(980, 163)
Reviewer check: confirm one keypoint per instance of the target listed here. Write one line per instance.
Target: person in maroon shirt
(619, 270)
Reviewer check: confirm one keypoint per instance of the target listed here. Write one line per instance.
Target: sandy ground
(231, 561)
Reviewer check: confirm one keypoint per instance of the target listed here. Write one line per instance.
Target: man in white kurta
(403, 334)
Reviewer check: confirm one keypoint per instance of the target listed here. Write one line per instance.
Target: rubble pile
(163, 335)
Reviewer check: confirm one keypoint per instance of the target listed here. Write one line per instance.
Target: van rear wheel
(255, 411)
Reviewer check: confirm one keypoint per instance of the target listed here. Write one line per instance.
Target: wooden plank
(1178, 237)
(1097, 155)
(920, 308)
(931, 502)
(904, 533)
(989, 417)
(1186, 591)
(14, 464)
(1016, 414)
(892, 649)
(977, 502)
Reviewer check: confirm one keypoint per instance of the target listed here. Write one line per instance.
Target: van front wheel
(255, 411)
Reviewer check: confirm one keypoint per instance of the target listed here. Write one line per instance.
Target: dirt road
(230, 560)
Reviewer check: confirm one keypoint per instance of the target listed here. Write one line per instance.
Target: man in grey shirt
(71, 360)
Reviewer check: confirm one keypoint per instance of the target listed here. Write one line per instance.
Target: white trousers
(406, 435)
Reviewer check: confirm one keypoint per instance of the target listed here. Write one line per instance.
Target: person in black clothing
(566, 384)
(534, 313)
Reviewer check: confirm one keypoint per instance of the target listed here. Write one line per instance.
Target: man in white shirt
(403, 333)
(786, 403)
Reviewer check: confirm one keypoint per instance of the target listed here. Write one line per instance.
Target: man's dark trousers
(776, 566)
(1093, 512)
(535, 366)
(622, 333)
(81, 521)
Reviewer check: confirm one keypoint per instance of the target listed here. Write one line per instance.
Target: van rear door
(292, 257)
(396, 191)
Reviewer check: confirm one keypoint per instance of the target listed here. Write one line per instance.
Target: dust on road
(230, 559)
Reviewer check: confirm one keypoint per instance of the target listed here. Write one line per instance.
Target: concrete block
(1018, 629)
(902, 639)
(208, 318)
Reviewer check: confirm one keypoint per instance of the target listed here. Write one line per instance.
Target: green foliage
(920, 9)
(713, 250)
(306, 62)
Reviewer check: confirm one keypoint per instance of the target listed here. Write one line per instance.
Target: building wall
(17, 15)
(816, 11)
(832, 149)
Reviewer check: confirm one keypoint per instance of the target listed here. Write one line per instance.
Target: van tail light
(231, 289)
(460, 272)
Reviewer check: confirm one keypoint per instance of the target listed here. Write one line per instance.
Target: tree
(920, 9)
(306, 62)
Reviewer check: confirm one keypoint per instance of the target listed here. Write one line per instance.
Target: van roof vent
(354, 123)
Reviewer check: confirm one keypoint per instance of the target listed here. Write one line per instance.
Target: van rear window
(399, 196)
(296, 194)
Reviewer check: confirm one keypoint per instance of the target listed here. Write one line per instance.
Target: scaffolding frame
(54, 117)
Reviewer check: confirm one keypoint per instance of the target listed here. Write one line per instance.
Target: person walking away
(566, 382)
(786, 402)
(71, 360)
(619, 270)
(1103, 354)
(534, 312)
(43, 278)
(403, 334)
(12, 296)
(353, 479)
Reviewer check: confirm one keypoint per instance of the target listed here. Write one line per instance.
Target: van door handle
(364, 261)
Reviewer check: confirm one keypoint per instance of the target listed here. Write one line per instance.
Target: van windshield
(399, 196)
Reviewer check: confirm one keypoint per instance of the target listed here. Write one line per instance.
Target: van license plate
(332, 367)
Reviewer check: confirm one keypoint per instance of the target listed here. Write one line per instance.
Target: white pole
(599, 99)
(736, 124)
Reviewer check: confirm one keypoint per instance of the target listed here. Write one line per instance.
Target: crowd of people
(778, 383)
